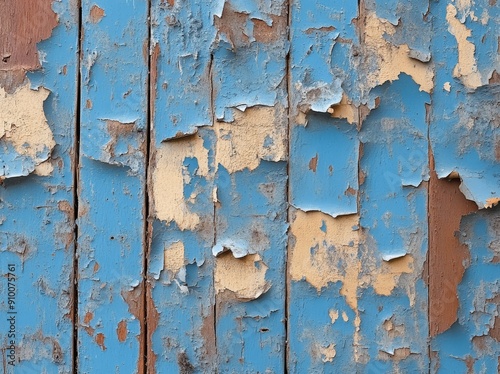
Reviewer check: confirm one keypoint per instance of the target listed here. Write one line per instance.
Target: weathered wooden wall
(297, 186)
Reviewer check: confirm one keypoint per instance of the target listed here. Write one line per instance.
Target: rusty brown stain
(232, 24)
(99, 339)
(313, 163)
(350, 191)
(65, 70)
(171, 2)
(152, 317)
(23, 24)
(495, 78)
(86, 323)
(134, 300)
(264, 33)
(494, 331)
(10, 80)
(208, 335)
(145, 51)
(117, 130)
(185, 367)
(65, 207)
(121, 331)
(155, 54)
(319, 29)
(88, 104)
(96, 267)
(469, 362)
(447, 255)
(96, 14)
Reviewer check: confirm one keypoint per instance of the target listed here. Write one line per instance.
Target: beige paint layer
(386, 61)
(466, 68)
(315, 255)
(244, 277)
(174, 258)
(255, 134)
(24, 125)
(169, 177)
(332, 255)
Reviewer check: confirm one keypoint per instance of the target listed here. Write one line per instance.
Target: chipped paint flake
(174, 258)
(170, 176)
(24, 132)
(244, 277)
(386, 280)
(315, 251)
(328, 353)
(258, 133)
(466, 68)
(390, 60)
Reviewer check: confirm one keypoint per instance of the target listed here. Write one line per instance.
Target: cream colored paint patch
(23, 123)
(387, 278)
(328, 353)
(344, 110)
(255, 134)
(391, 60)
(323, 257)
(170, 176)
(315, 255)
(44, 169)
(174, 258)
(333, 314)
(466, 68)
(245, 277)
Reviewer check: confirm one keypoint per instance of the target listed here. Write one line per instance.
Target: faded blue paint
(464, 129)
(394, 220)
(211, 62)
(183, 34)
(252, 214)
(472, 342)
(325, 157)
(36, 230)
(185, 301)
(112, 185)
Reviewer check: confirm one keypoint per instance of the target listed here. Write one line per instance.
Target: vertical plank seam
(76, 186)
(428, 255)
(214, 240)
(146, 232)
(288, 197)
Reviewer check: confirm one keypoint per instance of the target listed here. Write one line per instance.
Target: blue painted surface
(36, 233)
(472, 341)
(354, 147)
(325, 157)
(181, 318)
(464, 129)
(252, 213)
(112, 186)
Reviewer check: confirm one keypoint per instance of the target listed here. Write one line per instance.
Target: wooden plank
(365, 250)
(180, 311)
(250, 100)
(196, 178)
(38, 90)
(323, 262)
(464, 138)
(112, 170)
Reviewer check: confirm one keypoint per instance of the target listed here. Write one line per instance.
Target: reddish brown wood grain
(447, 256)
